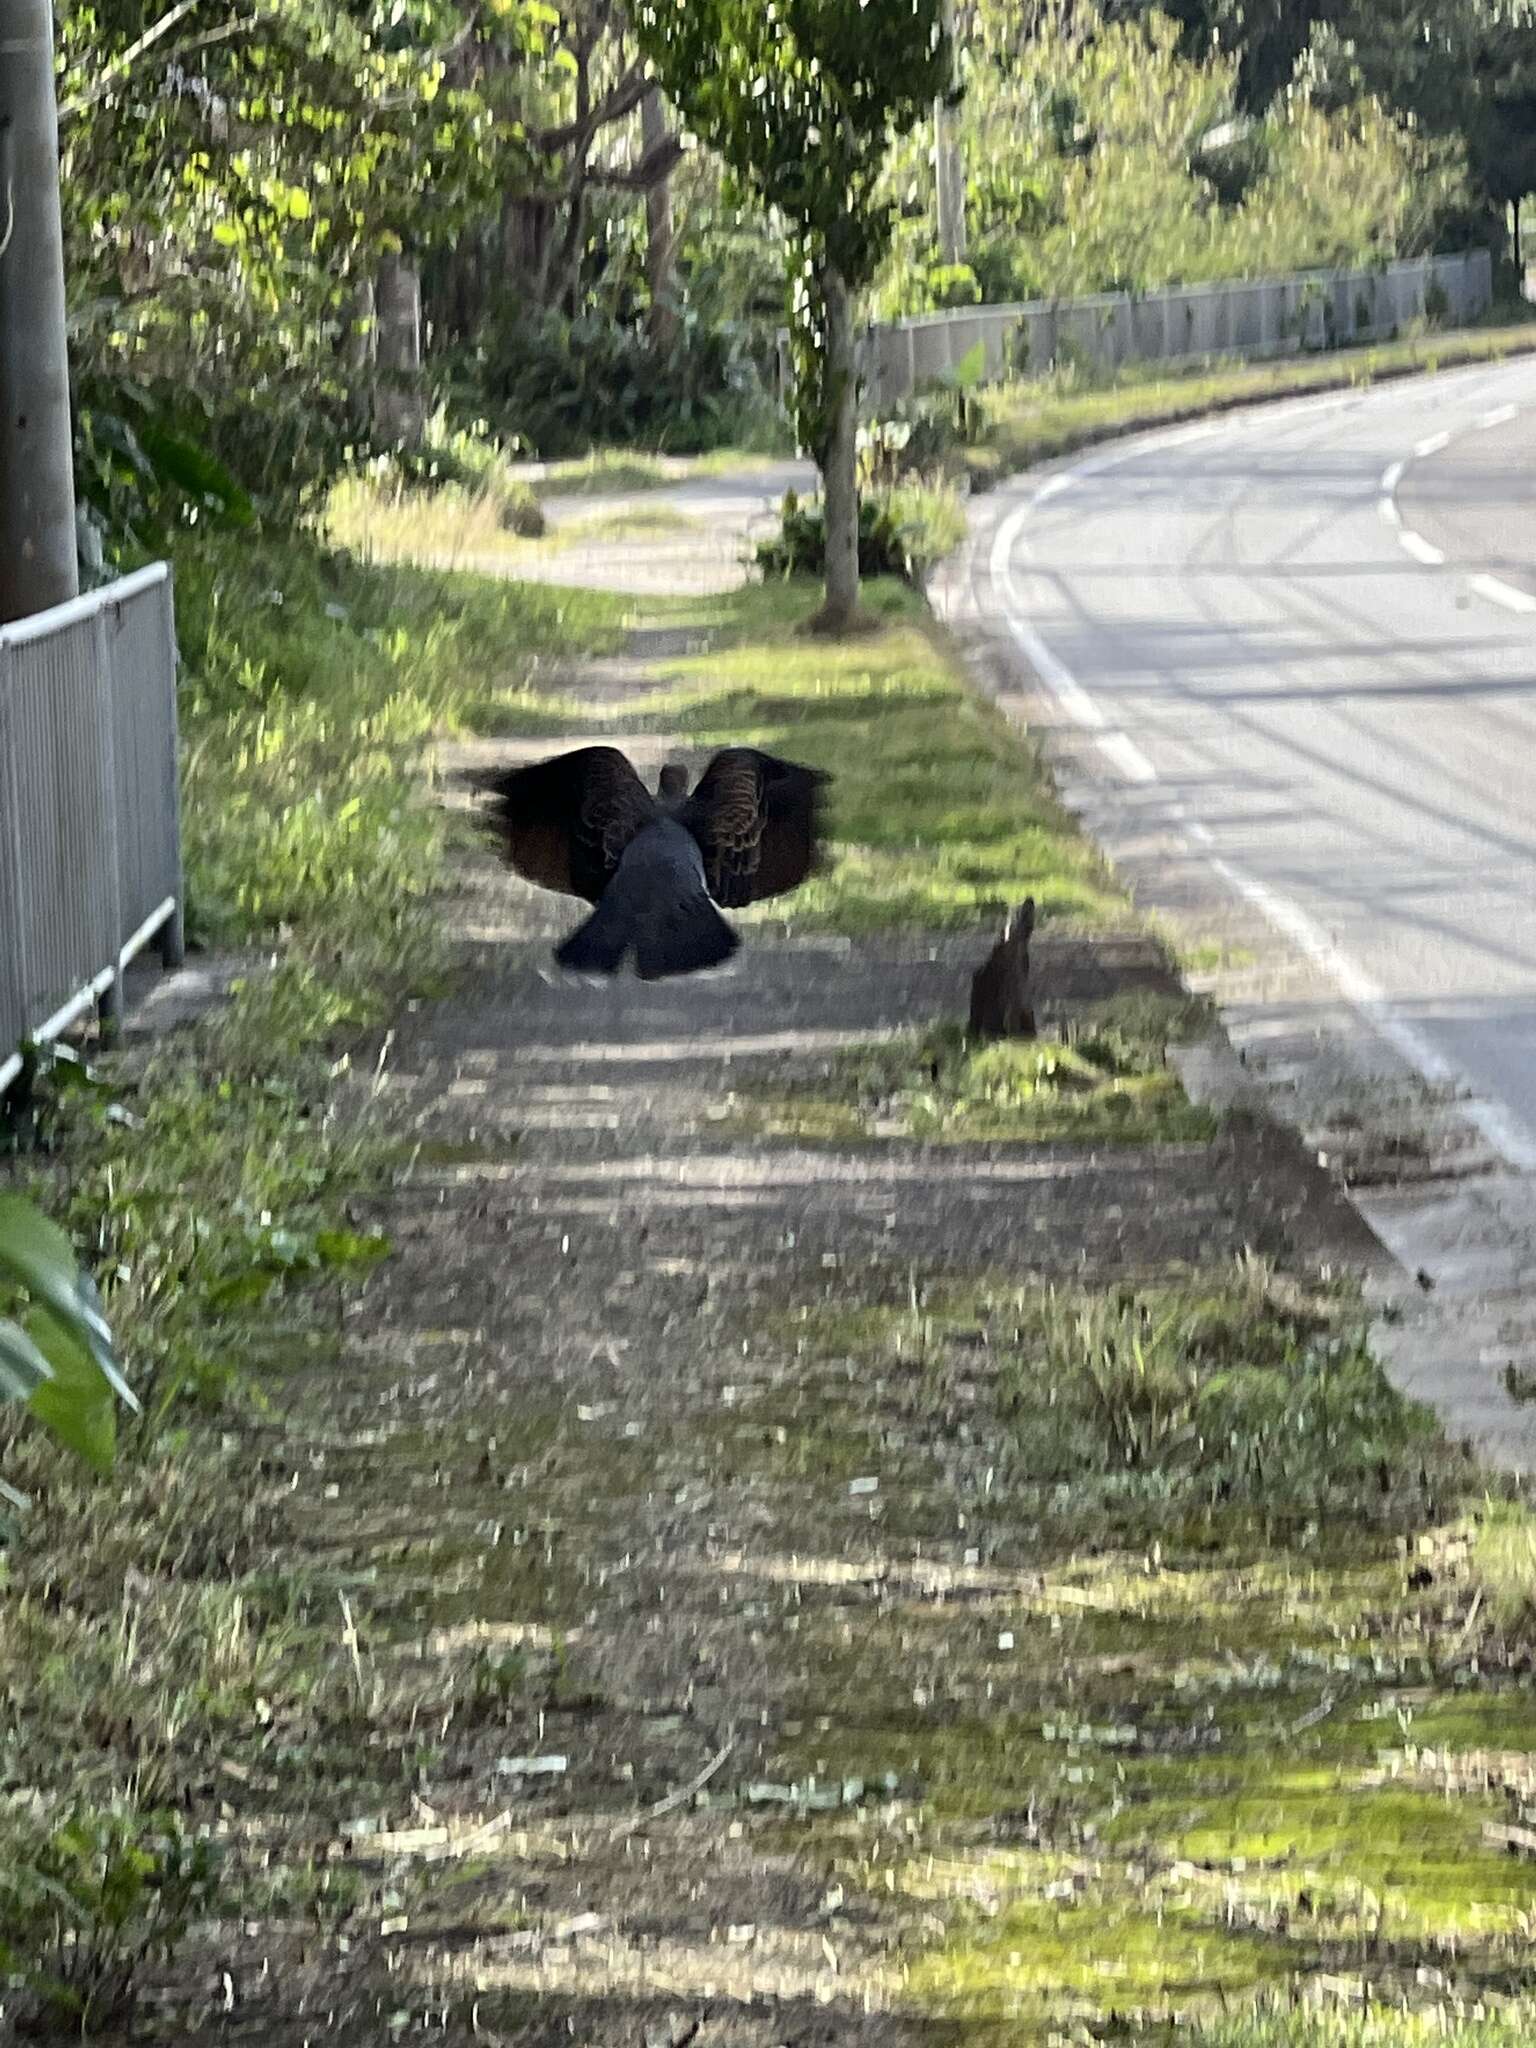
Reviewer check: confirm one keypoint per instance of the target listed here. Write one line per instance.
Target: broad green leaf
(193, 470)
(76, 1405)
(39, 1255)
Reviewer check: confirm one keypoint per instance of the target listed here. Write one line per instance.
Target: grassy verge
(618, 472)
(1227, 1706)
(941, 812)
(1097, 1076)
(1038, 420)
(151, 1625)
(389, 521)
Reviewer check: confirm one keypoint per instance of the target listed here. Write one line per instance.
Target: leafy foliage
(1105, 155)
(234, 180)
(56, 1348)
(801, 100)
(86, 1902)
(799, 548)
(566, 385)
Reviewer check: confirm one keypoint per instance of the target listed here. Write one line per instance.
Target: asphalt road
(1306, 637)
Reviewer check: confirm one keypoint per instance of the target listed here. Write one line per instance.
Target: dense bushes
(561, 386)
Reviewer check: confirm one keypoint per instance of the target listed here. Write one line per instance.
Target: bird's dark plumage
(656, 867)
(565, 823)
(757, 821)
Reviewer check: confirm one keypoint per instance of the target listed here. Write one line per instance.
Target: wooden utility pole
(39, 560)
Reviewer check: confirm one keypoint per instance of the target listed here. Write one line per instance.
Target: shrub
(562, 386)
(86, 1904)
(799, 548)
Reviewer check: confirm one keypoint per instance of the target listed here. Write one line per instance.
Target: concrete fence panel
(90, 829)
(1259, 317)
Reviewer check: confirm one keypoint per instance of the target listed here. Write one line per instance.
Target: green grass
(941, 812)
(449, 525)
(1222, 1718)
(617, 472)
(1102, 1077)
(1036, 420)
(214, 1184)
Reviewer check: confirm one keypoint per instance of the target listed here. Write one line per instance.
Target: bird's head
(673, 786)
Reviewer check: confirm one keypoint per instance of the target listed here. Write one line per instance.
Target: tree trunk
(949, 169)
(526, 234)
(839, 459)
(661, 236)
(399, 406)
(39, 551)
(359, 352)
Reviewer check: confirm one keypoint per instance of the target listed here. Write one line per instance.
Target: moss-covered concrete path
(842, 1588)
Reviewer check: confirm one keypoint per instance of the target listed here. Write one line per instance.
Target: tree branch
(126, 60)
(653, 169)
(622, 99)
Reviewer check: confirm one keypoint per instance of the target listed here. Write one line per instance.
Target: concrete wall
(1313, 310)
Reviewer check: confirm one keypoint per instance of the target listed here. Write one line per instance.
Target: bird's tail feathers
(599, 945)
(684, 938)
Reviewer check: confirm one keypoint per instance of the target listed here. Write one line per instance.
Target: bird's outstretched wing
(565, 823)
(758, 824)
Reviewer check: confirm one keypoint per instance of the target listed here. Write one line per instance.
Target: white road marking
(1505, 1133)
(1512, 1139)
(1421, 549)
(1498, 592)
(1391, 478)
(1431, 445)
(1388, 510)
(1127, 757)
(1499, 417)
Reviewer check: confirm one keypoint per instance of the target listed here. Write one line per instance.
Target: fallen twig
(678, 1798)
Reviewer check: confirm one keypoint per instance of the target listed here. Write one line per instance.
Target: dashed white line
(1507, 1134)
(1387, 507)
(1432, 445)
(1498, 592)
(1421, 549)
(1499, 417)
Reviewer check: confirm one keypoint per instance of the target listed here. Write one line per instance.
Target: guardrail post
(109, 1001)
(13, 944)
(173, 933)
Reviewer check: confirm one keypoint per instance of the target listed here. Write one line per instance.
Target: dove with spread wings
(656, 867)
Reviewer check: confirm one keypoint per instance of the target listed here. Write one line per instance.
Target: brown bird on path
(656, 867)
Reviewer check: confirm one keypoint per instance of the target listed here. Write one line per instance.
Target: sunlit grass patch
(1035, 419)
(616, 472)
(1104, 1078)
(1214, 1715)
(941, 813)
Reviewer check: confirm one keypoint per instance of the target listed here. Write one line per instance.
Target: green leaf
(348, 1248)
(240, 1290)
(194, 470)
(39, 1255)
(76, 1405)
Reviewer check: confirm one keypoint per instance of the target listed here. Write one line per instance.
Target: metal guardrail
(90, 817)
(1306, 312)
